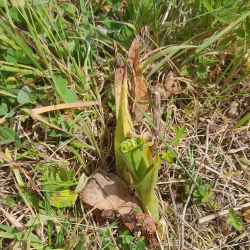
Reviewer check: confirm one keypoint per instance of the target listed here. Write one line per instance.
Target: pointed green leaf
(9, 135)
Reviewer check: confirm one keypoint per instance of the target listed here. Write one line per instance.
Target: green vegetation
(144, 171)
(202, 193)
(197, 159)
(235, 219)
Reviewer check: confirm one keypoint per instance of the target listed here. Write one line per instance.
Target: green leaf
(112, 24)
(112, 246)
(15, 13)
(210, 61)
(170, 157)
(11, 56)
(199, 181)
(63, 173)
(127, 31)
(207, 195)
(87, 32)
(4, 107)
(57, 133)
(231, 211)
(235, 219)
(197, 200)
(137, 209)
(202, 72)
(64, 198)
(112, 106)
(70, 8)
(225, 41)
(179, 133)
(183, 128)
(24, 95)
(61, 233)
(242, 120)
(144, 171)
(5, 142)
(81, 183)
(128, 239)
(81, 243)
(2, 3)
(208, 4)
(22, 57)
(11, 235)
(176, 129)
(8, 201)
(80, 144)
(187, 71)
(68, 95)
(196, 193)
(33, 200)
(10, 134)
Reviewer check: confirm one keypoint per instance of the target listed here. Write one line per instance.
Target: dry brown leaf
(234, 110)
(163, 92)
(171, 86)
(120, 69)
(107, 191)
(138, 89)
(246, 215)
(136, 222)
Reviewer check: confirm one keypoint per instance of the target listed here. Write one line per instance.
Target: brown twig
(221, 213)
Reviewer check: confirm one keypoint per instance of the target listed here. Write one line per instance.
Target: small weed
(56, 178)
(168, 156)
(8, 201)
(128, 242)
(235, 219)
(179, 132)
(201, 193)
(105, 239)
(56, 181)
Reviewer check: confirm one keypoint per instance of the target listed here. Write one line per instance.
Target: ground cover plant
(155, 92)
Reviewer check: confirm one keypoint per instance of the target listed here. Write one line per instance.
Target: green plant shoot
(134, 160)
(235, 219)
(144, 171)
(179, 133)
(124, 127)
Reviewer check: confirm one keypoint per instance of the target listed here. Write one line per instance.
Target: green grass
(54, 52)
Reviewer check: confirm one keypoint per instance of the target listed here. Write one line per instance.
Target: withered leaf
(246, 215)
(234, 110)
(138, 89)
(107, 191)
(171, 86)
(120, 69)
(136, 222)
